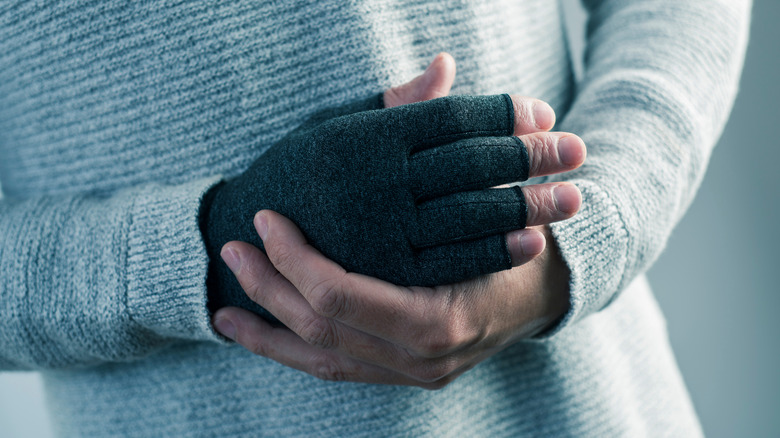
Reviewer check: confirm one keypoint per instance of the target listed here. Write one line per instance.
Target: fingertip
(231, 257)
(224, 325)
(437, 78)
(441, 58)
(532, 115)
(261, 223)
(524, 245)
(571, 151)
(567, 198)
(444, 59)
(544, 115)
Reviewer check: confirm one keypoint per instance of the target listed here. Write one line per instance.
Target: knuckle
(434, 345)
(327, 298)
(253, 288)
(523, 112)
(439, 343)
(282, 256)
(541, 206)
(259, 348)
(393, 97)
(319, 332)
(542, 149)
(449, 327)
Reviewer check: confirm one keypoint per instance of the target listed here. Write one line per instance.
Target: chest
(96, 96)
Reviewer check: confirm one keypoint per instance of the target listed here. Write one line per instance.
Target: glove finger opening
(440, 121)
(461, 261)
(470, 164)
(470, 215)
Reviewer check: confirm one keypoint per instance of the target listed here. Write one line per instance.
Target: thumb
(435, 81)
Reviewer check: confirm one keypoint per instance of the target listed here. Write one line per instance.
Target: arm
(660, 79)
(656, 96)
(349, 326)
(88, 279)
(91, 279)
(374, 191)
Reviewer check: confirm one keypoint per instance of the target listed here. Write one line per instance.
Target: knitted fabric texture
(403, 194)
(116, 117)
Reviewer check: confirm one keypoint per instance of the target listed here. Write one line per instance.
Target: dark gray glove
(402, 194)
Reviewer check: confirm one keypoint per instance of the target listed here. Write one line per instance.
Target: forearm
(659, 83)
(88, 279)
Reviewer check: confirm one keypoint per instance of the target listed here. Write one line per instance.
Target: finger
(398, 313)
(470, 164)
(435, 82)
(531, 115)
(325, 285)
(284, 346)
(553, 152)
(483, 162)
(525, 245)
(271, 290)
(470, 215)
(257, 277)
(367, 304)
(447, 119)
(251, 268)
(551, 202)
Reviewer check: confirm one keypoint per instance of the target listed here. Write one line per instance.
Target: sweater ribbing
(115, 117)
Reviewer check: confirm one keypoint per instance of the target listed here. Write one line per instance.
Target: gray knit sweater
(116, 116)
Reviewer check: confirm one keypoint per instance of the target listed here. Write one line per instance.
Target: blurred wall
(716, 281)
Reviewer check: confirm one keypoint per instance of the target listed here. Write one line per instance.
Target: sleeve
(91, 279)
(659, 82)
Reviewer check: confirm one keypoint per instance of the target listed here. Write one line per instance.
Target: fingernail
(226, 328)
(261, 225)
(531, 243)
(544, 116)
(231, 258)
(433, 61)
(570, 150)
(567, 198)
(524, 244)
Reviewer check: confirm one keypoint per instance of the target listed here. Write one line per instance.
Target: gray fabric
(373, 190)
(116, 117)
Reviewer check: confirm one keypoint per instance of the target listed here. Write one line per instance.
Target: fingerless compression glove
(403, 194)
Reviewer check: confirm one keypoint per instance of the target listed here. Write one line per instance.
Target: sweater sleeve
(660, 79)
(89, 279)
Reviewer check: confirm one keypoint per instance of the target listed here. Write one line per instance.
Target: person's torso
(97, 96)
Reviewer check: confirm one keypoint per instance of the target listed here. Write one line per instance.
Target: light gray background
(716, 281)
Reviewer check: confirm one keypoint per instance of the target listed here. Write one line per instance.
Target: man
(117, 118)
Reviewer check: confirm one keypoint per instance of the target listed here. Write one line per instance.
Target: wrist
(541, 287)
(553, 285)
(214, 300)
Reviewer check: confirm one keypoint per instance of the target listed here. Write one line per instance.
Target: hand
(404, 194)
(352, 327)
(347, 326)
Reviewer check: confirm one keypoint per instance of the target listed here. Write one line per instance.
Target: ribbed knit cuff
(594, 245)
(167, 262)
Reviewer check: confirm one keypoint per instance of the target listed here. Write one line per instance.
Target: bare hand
(350, 327)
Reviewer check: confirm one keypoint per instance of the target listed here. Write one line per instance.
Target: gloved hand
(402, 194)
